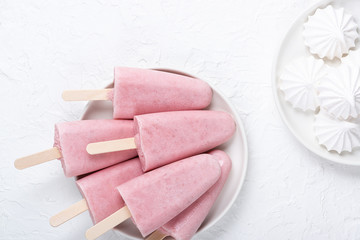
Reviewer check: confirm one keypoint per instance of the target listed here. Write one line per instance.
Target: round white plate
(300, 123)
(236, 148)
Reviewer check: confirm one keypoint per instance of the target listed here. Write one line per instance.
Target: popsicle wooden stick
(108, 223)
(157, 235)
(111, 146)
(86, 95)
(37, 158)
(69, 213)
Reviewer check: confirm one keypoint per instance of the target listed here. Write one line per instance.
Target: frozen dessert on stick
(101, 197)
(139, 91)
(185, 225)
(162, 138)
(71, 139)
(156, 197)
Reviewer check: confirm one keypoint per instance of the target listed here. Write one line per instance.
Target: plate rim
(275, 90)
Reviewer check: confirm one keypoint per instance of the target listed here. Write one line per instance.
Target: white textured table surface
(49, 46)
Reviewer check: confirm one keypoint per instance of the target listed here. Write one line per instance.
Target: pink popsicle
(158, 196)
(99, 189)
(185, 225)
(71, 138)
(162, 138)
(140, 91)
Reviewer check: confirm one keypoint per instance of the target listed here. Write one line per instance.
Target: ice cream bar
(139, 91)
(162, 138)
(71, 139)
(99, 189)
(158, 196)
(100, 193)
(166, 137)
(185, 225)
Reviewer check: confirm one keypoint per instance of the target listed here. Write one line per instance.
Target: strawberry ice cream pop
(101, 197)
(71, 139)
(156, 197)
(185, 225)
(139, 91)
(162, 138)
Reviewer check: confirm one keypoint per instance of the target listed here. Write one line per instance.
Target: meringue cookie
(336, 135)
(339, 91)
(330, 32)
(299, 80)
(352, 58)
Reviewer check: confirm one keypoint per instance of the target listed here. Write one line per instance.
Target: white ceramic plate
(300, 123)
(236, 148)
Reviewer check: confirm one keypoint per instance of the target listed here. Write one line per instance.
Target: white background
(49, 46)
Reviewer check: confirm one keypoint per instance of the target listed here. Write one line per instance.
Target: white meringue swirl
(299, 80)
(330, 32)
(339, 91)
